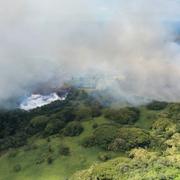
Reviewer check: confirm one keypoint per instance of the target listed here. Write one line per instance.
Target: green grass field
(62, 166)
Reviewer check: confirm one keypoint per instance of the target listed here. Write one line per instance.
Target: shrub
(173, 111)
(12, 154)
(157, 105)
(88, 142)
(104, 135)
(17, 168)
(134, 137)
(104, 157)
(111, 137)
(54, 127)
(40, 160)
(174, 142)
(73, 129)
(12, 121)
(164, 125)
(67, 114)
(38, 124)
(95, 125)
(29, 147)
(163, 177)
(128, 138)
(96, 108)
(49, 160)
(50, 150)
(83, 113)
(118, 144)
(141, 154)
(13, 141)
(126, 115)
(64, 150)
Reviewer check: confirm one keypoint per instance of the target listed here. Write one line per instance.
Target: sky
(49, 41)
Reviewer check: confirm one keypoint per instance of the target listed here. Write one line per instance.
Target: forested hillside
(82, 138)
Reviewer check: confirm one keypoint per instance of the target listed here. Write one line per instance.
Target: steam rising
(47, 42)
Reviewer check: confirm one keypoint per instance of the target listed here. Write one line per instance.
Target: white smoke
(38, 100)
(49, 41)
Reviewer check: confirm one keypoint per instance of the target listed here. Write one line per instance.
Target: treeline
(16, 126)
(65, 117)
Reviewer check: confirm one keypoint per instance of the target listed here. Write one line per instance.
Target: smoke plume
(131, 43)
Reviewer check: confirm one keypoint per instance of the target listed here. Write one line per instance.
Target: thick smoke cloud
(49, 41)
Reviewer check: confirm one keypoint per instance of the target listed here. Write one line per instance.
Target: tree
(83, 113)
(127, 115)
(157, 105)
(64, 150)
(73, 129)
(39, 123)
(104, 135)
(54, 126)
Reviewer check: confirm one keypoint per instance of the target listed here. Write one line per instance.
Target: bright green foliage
(164, 125)
(128, 138)
(110, 137)
(104, 135)
(173, 144)
(143, 165)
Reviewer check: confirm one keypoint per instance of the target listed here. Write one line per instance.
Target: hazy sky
(48, 41)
